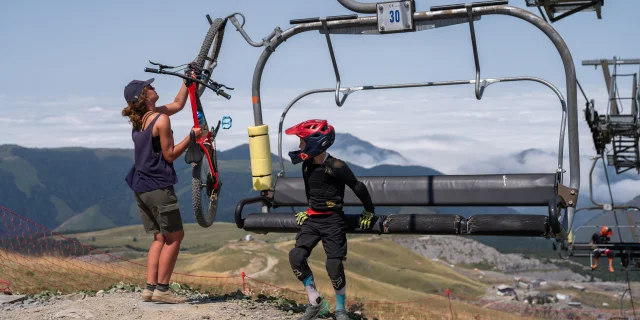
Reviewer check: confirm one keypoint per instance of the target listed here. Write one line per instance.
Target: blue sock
(312, 292)
(340, 298)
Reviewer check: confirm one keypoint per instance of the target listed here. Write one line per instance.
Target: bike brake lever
(213, 83)
(162, 66)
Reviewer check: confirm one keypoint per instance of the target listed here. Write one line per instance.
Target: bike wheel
(204, 199)
(212, 62)
(208, 40)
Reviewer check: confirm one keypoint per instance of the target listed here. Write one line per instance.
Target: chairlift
(507, 190)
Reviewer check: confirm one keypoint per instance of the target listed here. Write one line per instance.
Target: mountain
(352, 149)
(69, 189)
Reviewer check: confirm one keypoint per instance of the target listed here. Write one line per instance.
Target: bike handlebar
(215, 88)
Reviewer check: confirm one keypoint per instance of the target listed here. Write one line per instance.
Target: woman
(152, 178)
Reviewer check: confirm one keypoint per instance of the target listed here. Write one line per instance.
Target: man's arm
(177, 104)
(342, 172)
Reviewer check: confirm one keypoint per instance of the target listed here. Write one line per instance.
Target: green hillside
(76, 189)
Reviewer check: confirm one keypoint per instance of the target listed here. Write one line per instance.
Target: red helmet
(318, 135)
(606, 231)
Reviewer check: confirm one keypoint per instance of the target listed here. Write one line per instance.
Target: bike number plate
(395, 16)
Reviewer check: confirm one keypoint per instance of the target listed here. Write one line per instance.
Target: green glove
(301, 217)
(365, 219)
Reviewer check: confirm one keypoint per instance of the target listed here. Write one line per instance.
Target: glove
(301, 217)
(365, 219)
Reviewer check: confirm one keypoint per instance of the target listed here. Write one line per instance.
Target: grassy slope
(380, 270)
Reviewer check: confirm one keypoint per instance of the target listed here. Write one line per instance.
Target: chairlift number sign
(395, 16)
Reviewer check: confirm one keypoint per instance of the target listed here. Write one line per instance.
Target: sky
(65, 64)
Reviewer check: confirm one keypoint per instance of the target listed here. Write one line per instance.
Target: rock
(75, 296)
(205, 317)
(74, 314)
(6, 299)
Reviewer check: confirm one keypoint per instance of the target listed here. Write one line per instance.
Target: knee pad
(298, 261)
(596, 254)
(335, 269)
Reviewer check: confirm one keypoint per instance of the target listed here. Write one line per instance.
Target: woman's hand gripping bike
(201, 153)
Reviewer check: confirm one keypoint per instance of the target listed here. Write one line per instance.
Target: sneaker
(146, 295)
(314, 311)
(342, 315)
(166, 297)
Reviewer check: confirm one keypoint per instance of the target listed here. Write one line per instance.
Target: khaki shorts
(159, 211)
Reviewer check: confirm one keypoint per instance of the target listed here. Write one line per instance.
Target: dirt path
(128, 306)
(271, 262)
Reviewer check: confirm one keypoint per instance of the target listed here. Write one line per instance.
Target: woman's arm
(177, 104)
(169, 151)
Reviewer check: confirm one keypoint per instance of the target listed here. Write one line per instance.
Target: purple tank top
(150, 170)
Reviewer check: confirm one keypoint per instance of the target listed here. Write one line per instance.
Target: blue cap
(134, 88)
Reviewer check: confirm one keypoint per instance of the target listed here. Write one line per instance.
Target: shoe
(146, 295)
(342, 315)
(314, 311)
(166, 297)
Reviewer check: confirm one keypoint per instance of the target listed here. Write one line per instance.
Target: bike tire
(213, 57)
(206, 44)
(204, 207)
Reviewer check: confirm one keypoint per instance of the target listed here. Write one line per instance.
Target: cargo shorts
(159, 211)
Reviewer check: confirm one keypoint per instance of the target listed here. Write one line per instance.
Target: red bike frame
(194, 109)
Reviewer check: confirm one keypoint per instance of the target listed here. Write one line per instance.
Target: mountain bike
(201, 153)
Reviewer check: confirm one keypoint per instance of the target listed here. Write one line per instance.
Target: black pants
(331, 229)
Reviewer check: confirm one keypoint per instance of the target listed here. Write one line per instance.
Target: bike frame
(195, 107)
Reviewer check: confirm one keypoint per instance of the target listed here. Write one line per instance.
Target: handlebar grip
(151, 70)
(224, 94)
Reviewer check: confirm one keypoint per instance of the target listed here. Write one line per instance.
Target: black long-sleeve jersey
(596, 238)
(325, 184)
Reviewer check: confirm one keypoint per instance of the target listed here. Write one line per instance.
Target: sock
(340, 298)
(151, 287)
(163, 287)
(312, 292)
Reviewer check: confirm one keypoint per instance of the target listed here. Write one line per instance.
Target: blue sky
(64, 66)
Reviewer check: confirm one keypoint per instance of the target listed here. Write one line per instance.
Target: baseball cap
(133, 89)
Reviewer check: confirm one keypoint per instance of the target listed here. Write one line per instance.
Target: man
(601, 238)
(325, 178)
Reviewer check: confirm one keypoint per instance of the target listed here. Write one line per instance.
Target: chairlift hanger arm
(265, 41)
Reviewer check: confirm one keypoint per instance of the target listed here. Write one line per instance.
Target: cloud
(445, 128)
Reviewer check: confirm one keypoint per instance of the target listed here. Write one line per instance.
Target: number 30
(395, 16)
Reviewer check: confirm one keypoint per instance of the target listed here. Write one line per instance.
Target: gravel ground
(127, 305)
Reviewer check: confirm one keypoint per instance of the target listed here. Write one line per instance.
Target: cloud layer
(445, 128)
